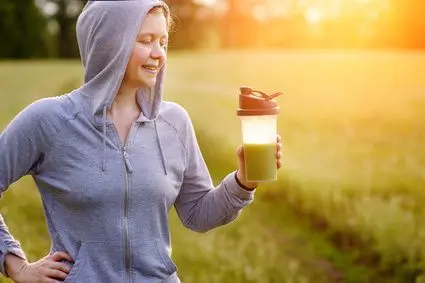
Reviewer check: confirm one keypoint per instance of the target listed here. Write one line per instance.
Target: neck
(125, 104)
(126, 97)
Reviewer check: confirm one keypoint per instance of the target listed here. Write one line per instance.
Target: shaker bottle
(258, 114)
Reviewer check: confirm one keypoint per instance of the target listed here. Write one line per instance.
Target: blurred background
(348, 205)
(46, 28)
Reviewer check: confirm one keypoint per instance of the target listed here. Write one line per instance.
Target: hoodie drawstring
(160, 148)
(104, 139)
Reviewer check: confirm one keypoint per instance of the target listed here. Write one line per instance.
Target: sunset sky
(314, 10)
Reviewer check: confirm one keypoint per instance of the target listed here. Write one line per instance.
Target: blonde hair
(166, 13)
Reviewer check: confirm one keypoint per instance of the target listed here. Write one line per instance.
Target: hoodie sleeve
(200, 205)
(23, 146)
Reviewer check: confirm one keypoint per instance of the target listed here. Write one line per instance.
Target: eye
(163, 43)
(145, 41)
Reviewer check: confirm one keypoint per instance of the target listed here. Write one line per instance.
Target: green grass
(353, 134)
(353, 127)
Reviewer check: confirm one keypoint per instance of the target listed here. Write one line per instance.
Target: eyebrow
(151, 34)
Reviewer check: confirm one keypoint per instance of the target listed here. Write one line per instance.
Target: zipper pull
(127, 161)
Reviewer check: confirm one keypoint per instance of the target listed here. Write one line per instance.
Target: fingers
(278, 151)
(60, 266)
(54, 269)
(279, 142)
(278, 139)
(278, 164)
(56, 273)
(58, 256)
(278, 155)
(278, 159)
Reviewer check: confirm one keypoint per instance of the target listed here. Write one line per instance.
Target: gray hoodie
(107, 203)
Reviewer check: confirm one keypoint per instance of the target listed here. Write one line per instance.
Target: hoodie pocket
(97, 262)
(171, 267)
(78, 262)
(151, 261)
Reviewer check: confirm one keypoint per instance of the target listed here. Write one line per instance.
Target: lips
(152, 69)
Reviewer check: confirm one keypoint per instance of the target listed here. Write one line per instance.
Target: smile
(151, 69)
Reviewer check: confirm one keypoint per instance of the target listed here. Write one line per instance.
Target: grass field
(348, 203)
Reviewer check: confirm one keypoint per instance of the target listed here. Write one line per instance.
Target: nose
(158, 52)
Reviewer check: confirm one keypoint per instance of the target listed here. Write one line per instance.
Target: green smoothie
(260, 162)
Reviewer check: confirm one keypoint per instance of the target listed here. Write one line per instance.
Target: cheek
(162, 62)
(163, 58)
(139, 56)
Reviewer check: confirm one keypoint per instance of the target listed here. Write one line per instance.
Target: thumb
(240, 151)
(241, 157)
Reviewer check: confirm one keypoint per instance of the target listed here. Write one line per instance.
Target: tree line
(29, 31)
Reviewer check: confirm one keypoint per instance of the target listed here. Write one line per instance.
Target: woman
(111, 158)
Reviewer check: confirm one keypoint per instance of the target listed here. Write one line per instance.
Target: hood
(105, 60)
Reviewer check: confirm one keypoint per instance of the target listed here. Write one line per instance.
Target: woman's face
(148, 55)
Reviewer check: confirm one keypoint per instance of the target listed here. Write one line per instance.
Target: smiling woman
(146, 60)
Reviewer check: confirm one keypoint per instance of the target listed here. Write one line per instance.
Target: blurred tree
(31, 31)
(66, 18)
(194, 24)
(239, 26)
(23, 30)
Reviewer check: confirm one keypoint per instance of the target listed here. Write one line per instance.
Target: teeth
(153, 68)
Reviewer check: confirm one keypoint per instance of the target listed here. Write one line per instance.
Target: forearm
(13, 265)
(217, 207)
(9, 249)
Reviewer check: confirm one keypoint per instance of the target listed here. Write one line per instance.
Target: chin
(150, 84)
(147, 82)
(144, 83)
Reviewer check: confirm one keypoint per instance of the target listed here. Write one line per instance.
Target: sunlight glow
(313, 16)
(205, 2)
(319, 10)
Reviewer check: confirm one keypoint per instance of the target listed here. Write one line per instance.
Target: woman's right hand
(49, 269)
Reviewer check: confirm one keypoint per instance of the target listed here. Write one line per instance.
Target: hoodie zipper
(126, 230)
(128, 169)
